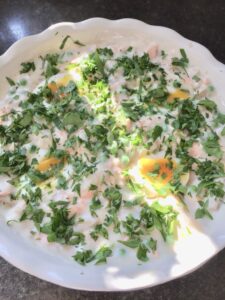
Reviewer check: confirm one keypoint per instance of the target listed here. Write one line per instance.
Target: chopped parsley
(10, 81)
(190, 118)
(50, 63)
(86, 256)
(60, 227)
(95, 205)
(212, 146)
(27, 67)
(203, 211)
(76, 143)
(64, 41)
(114, 196)
(208, 104)
(13, 162)
(181, 62)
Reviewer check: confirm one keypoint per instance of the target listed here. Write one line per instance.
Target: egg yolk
(159, 171)
(54, 86)
(178, 94)
(47, 163)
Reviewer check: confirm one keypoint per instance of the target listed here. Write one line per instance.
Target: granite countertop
(202, 21)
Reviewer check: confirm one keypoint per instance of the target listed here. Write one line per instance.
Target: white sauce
(12, 210)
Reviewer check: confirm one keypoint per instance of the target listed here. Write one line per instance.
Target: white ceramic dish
(122, 274)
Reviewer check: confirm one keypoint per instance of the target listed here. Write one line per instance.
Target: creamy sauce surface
(110, 149)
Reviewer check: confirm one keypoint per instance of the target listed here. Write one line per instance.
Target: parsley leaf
(131, 243)
(208, 104)
(157, 132)
(51, 62)
(62, 182)
(79, 43)
(102, 254)
(208, 171)
(27, 67)
(99, 230)
(132, 109)
(72, 118)
(33, 213)
(220, 119)
(95, 205)
(94, 67)
(132, 226)
(189, 118)
(84, 257)
(203, 211)
(142, 252)
(152, 244)
(10, 81)
(114, 196)
(17, 131)
(223, 131)
(212, 146)
(64, 42)
(13, 162)
(60, 227)
(135, 66)
(161, 217)
(181, 62)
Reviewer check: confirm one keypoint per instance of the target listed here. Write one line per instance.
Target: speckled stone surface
(199, 20)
